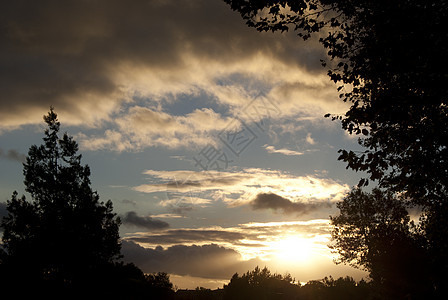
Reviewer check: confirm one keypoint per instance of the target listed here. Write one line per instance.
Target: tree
(160, 285)
(373, 232)
(65, 234)
(260, 284)
(336, 289)
(389, 59)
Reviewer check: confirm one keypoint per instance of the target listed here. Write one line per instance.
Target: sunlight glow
(294, 249)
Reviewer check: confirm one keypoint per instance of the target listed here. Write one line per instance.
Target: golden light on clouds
(242, 187)
(298, 247)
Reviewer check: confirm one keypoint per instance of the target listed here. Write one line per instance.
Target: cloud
(144, 127)
(190, 236)
(309, 139)
(251, 240)
(271, 149)
(276, 202)
(101, 73)
(220, 252)
(131, 218)
(13, 155)
(241, 187)
(207, 261)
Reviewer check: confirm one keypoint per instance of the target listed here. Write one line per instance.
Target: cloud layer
(191, 188)
(251, 240)
(272, 149)
(206, 261)
(13, 155)
(276, 202)
(217, 252)
(115, 66)
(131, 218)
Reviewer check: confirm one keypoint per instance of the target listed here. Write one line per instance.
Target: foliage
(389, 59)
(373, 231)
(366, 225)
(65, 231)
(159, 281)
(259, 284)
(262, 284)
(337, 289)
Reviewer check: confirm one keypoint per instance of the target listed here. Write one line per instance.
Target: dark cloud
(276, 202)
(12, 155)
(74, 54)
(207, 261)
(179, 236)
(131, 218)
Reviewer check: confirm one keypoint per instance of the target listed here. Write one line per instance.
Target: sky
(208, 136)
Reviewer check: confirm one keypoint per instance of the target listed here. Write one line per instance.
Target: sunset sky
(208, 136)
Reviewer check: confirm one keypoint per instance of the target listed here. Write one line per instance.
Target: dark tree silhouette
(389, 60)
(336, 289)
(373, 232)
(260, 284)
(65, 234)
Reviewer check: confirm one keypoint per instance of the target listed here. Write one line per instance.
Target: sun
(294, 249)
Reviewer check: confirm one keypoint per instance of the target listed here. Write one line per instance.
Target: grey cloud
(12, 155)
(207, 261)
(276, 202)
(69, 53)
(179, 236)
(131, 218)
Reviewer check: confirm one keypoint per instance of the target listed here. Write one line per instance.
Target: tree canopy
(373, 232)
(388, 58)
(259, 284)
(65, 232)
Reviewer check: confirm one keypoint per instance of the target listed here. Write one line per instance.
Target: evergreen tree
(65, 234)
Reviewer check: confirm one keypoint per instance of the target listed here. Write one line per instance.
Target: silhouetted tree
(373, 232)
(336, 289)
(260, 284)
(160, 285)
(388, 58)
(65, 233)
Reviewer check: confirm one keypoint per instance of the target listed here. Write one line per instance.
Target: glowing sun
(294, 249)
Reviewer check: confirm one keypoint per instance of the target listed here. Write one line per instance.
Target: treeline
(127, 281)
(108, 281)
(264, 285)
